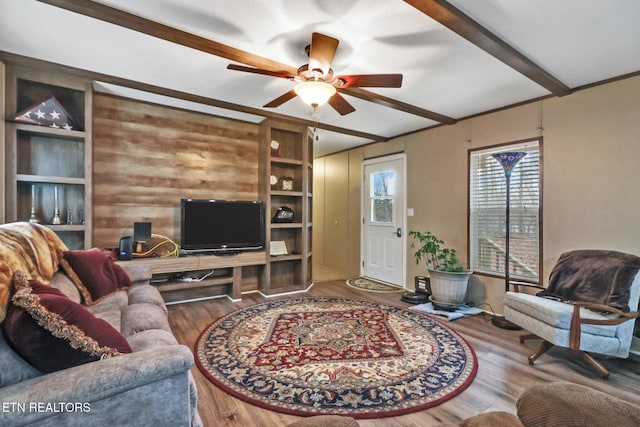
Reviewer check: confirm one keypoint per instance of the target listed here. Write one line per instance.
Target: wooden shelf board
(286, 225)
(66, 227)
(47, 131)
(175, 286)
(287, 193)
(50, 179)
(286, 161)
(282, 258)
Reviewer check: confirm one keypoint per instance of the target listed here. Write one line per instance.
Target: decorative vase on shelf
(69, 215)
(56, 220)
(33, 218)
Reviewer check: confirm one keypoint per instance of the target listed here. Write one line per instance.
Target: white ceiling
(578, 42)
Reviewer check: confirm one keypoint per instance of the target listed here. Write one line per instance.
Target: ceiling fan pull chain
(314, 115)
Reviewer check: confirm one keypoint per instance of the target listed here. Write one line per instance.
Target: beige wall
(590, 177)
(336, 211)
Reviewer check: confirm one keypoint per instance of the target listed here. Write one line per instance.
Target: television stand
(173, 266)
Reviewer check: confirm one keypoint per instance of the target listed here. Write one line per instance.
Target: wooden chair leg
(525, 337)
(546, 345)
(593, 362)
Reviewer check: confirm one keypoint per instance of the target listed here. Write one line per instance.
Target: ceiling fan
(317, 83)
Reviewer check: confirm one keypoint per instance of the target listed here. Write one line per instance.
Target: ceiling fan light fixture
(314, 93)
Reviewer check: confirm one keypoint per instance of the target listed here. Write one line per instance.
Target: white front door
(383, 222)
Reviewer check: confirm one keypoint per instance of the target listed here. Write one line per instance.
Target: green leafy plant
(436, 257)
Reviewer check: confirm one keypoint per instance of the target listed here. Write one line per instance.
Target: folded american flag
(48, 113)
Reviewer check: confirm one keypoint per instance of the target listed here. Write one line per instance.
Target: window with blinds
(487, 210)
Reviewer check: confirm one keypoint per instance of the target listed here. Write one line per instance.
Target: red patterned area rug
(326, 355)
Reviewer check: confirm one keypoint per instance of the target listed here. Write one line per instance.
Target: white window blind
(487, 210)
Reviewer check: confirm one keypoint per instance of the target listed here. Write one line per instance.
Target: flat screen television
(221, 226)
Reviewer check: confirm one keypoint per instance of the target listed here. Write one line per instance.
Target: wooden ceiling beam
(155, 29)
(460, 23)
(146, 26)
(398, 105)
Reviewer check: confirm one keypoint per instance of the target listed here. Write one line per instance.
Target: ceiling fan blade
(281, 74)
(372, 80)
(323, 49)
(281, 99)
(341, 105)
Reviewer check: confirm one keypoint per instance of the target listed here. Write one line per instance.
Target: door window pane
(382, 193)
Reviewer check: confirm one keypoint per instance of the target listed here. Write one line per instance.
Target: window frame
(509, 146)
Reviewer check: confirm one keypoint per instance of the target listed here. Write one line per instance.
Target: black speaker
(125, 249)
(141, 231)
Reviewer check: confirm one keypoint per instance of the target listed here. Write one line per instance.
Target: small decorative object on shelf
(286, 183)
(81, 216)
(69, 215)
(273, 180)
(33, 218)
(275, 148)
(56, 220)
(282, 215)
(278, 247)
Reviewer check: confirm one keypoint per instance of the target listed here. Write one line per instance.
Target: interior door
(383, 222)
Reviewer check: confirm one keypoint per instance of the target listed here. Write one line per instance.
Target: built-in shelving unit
(42, 161)
(286, 162)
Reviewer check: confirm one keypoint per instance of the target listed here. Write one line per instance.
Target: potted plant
(447, 278)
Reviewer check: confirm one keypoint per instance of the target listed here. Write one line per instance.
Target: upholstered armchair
(590, 306)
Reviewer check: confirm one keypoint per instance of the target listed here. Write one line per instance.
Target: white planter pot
(448, 287)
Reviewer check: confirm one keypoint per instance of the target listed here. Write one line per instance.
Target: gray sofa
(151, 386)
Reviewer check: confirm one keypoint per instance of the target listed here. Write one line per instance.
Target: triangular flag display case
(48, 153)
(48, 113)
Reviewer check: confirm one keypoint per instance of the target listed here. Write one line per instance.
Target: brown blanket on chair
(32, 248)
(598, 276)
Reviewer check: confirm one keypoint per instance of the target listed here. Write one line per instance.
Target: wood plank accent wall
(147, 157)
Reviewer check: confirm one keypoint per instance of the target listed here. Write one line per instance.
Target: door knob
(399, 232)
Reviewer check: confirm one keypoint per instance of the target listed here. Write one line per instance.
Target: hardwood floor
(503, 371)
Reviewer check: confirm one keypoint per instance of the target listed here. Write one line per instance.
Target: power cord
(195, 279)
(175, 251)
(487, 315)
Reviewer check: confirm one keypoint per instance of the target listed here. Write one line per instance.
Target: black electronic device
(282, 215)
(221, 226)
(141, 232)
(414, 297)
(125, 248)
(423, 285)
